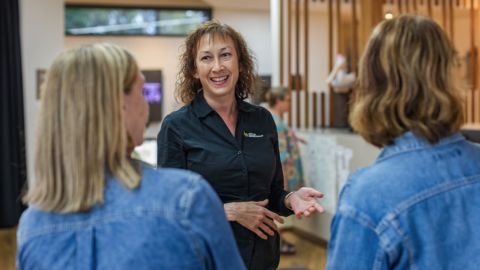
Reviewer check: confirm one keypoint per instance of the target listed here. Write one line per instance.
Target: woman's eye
(205, 58)
(226, 54)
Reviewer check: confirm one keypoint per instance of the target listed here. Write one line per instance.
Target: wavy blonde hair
(81, 135)
(406, 83)
(188, 85)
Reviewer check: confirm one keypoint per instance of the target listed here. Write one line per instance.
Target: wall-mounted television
(99, 20)
(153, 93)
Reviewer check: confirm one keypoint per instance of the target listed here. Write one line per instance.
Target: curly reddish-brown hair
(188, 85)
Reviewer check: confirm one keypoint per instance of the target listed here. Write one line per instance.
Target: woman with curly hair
(232, 143)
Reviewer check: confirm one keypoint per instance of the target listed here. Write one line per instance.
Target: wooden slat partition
(310, 108)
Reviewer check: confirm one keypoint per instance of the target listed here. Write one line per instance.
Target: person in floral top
(279, 99)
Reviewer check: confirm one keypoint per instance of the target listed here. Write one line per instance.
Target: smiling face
(216, 65)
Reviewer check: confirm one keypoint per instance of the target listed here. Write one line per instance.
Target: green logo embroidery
(252, 135)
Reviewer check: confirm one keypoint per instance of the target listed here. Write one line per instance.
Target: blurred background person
(341, 78)
(230, 142)
(417, 206)
(91, 206)
(279, 100)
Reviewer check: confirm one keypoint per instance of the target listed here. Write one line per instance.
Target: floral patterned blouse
(289, 155)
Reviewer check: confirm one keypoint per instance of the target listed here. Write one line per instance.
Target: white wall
(42, 39)
(151, 53)
(254, 25)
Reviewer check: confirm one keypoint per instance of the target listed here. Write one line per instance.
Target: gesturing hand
(253, 216)
(304, 202)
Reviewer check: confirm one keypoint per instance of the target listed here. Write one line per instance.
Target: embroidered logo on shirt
(252, 135)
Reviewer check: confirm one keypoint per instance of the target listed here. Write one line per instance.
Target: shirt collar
(409, 141)
(201, 108)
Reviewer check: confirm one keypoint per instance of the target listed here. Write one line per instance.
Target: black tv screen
(153, 93)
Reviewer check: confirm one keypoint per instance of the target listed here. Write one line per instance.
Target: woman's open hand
(304, 202)
(253, 216)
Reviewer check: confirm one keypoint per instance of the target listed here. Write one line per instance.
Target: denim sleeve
(170, 152)
(353, 243)
(210, 224)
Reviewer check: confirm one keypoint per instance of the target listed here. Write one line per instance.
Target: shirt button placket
(244, 170)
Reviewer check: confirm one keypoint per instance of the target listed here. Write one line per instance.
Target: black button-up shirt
(242, 168)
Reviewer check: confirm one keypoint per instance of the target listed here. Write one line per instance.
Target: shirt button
(239, 152)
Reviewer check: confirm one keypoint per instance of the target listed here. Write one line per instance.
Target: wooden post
(297, 60)
(289, 56)
(281, 43)
(473, 60)
(305, 62)
(429, 8)
(315, 109)
(330, 62)
(322, 109)
(354, 37)
(452, 19)
(444, 16)
(473, 63)
(371, 14)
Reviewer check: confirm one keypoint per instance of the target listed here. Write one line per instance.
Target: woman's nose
(217, 65)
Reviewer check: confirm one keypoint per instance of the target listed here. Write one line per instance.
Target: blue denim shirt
(416, 207)
(174, 220)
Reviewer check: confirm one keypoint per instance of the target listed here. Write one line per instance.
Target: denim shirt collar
(409, 141)
(201, 108)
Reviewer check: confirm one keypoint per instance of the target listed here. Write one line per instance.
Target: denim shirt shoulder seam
(439, 189)
(103, 219)
(357, 215)
(410, 147)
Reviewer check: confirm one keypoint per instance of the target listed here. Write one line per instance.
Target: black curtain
(12, 131)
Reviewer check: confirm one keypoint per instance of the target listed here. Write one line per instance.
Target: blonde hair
(275, 94)
(188, 85)
(406, 83)
(81, 135)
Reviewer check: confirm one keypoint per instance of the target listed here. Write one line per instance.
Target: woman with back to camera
(91, 206)
(422, 205)
(233, 144)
